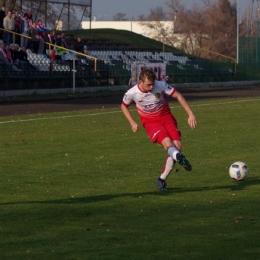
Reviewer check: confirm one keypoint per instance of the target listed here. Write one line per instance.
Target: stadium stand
(113, 67)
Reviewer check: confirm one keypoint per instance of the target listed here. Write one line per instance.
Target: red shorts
(160, 128)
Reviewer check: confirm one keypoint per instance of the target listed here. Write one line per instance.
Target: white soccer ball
(238, 171)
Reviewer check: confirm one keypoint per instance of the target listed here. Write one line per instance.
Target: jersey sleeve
(168, 90)
(127, 99)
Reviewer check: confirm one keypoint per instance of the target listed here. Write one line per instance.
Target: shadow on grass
(236, 186)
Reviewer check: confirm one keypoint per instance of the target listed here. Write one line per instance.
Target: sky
(106, 9)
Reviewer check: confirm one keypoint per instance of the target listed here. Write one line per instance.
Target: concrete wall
(133, 26)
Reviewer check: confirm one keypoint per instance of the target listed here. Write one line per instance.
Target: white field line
(119, 111)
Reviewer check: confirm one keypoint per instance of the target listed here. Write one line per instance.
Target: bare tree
(221, 28)
(174, 6)
(155, 26)
(156, 14)
(207, 2)
(211, 26)
(189, 26)
(120, 17)
(249, 22)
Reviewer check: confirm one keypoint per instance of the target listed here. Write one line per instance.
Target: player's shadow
(235, 186)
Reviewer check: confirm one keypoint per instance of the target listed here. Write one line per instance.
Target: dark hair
(147, 74)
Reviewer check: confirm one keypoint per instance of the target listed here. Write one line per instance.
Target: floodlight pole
(132, 16)
(238, 31)
(45, 16)
(90, 18)
(69, 15)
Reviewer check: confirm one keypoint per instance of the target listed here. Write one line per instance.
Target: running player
(157, 119)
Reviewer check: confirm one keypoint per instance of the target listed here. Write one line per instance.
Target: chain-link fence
(61, 76)
(249, 50)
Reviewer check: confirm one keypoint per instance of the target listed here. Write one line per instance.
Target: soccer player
(157, 119)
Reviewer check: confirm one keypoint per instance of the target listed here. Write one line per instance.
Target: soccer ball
(238, 171)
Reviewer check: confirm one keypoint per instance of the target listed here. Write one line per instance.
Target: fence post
(244, 68)
(28, 77)
(50, 74)
(5, 79)
(71, 76)
(124, 70)
(74, 75)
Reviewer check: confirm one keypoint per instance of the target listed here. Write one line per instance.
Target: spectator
(79, 45)
(85, 49)
(84, 60)
(34, 42)
(16, 27)
(16, 14)
(19, 58)
(40, 29)
(14, 52)
(2, 16)
(22, 54)
(30, 20)
(22, 60)
(33, 31)
(52, 37)
(60, 51)
(40, 35)
(63, 41)
(8, 24)
(8, 53)
(58, 40)
(3, 56)
(24, 30)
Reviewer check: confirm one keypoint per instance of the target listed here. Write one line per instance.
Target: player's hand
(134, 127)
(192, 121)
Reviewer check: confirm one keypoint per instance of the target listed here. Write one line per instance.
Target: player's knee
(177, 144)
(167, 143)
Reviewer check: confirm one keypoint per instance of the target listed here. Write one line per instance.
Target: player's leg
(156, 132)
(169, 164)
(173, 143)
(161, 181)
(170, 147)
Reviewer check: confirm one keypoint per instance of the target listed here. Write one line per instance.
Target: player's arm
(129, 117)
(191, 118)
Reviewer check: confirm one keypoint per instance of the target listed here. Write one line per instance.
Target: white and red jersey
(152, 104)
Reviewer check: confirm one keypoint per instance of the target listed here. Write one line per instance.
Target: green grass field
(81, 185)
